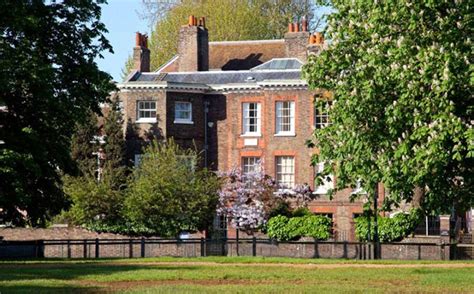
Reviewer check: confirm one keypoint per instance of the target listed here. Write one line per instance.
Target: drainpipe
(206, 147)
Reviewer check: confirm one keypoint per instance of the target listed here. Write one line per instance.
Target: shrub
(283, 228)
(276, 227)
(389, 229)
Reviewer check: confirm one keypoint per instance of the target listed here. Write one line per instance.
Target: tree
(247, 199)
(168, 193)
(115, 146)
(84, 144)
(48, 83)
(401, 77)
(97, 193)
(226, 20)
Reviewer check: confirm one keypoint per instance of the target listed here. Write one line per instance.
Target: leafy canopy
(48, 82)
(168, 194)
(401, 77)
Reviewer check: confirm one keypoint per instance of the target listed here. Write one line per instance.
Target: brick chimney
(296, 40)
(316, 43)
(193, 46)
(141, 53)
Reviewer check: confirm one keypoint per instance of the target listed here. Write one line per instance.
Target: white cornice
(216, 88)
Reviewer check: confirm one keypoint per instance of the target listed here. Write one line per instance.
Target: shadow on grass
(48, 289)
(62, 271)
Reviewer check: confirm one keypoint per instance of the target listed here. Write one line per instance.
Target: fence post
(316, 248)
(97, 248)
(142, 253)
(237, 242)
(68, 248)
(130, 248)
(202, 247)
(441, 251)
(84, 249)
(254, 246)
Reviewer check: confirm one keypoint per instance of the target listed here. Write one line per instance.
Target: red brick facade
(221, 127)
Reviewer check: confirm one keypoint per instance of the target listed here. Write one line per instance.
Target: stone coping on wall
(61, 233)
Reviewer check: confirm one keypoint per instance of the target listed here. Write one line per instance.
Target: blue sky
(122, 21)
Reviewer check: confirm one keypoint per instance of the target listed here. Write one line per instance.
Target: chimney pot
(191, 20)
(318, 38)
(203, 21)
(137, 39)
(304, 25)
(296, 27)
(194, 21)
(290, 28)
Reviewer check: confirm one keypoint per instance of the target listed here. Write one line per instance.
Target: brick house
(242, 103)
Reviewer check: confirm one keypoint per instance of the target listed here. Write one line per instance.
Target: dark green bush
(283, 228)
(301, 211)
(390, 229)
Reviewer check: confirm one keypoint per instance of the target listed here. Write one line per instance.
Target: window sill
(184, 122)
(285, 135)
(250, 135)
(146, 121)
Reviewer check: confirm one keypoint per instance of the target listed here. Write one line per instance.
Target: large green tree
(168, 193)
(48, 82)
(96, 196)
(402, 78)
(225, 19)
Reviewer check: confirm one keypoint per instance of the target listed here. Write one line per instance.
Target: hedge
(284, 228)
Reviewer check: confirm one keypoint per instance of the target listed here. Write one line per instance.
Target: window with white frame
(250, 164)
(321, 114)
(251, 118)
(146, 111)
(285, 171)
(183, 113)
(328, 181)
(285, 118)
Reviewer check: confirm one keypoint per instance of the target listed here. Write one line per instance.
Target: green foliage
(283, 228)
(96, 202)
(281, 208)
(277, 228)
(226, 20)
(48, 83)
(92, 200)
(166, 195)
(301, 211)
(389, 229)
(400, 73)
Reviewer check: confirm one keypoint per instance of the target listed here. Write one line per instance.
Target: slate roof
(220, 77)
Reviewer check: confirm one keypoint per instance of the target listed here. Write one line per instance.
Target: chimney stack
(141, 53)
(316, 43)
(193, 46)
(296, 40)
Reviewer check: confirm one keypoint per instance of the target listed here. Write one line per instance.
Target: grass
(235, 275)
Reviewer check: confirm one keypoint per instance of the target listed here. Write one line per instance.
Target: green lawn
(235, 275)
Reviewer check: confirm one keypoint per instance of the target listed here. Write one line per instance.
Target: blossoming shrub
(283, 228)
(247, 199)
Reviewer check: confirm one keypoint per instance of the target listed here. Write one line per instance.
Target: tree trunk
(418, 197)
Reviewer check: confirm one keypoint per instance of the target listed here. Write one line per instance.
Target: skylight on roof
(280, 64)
